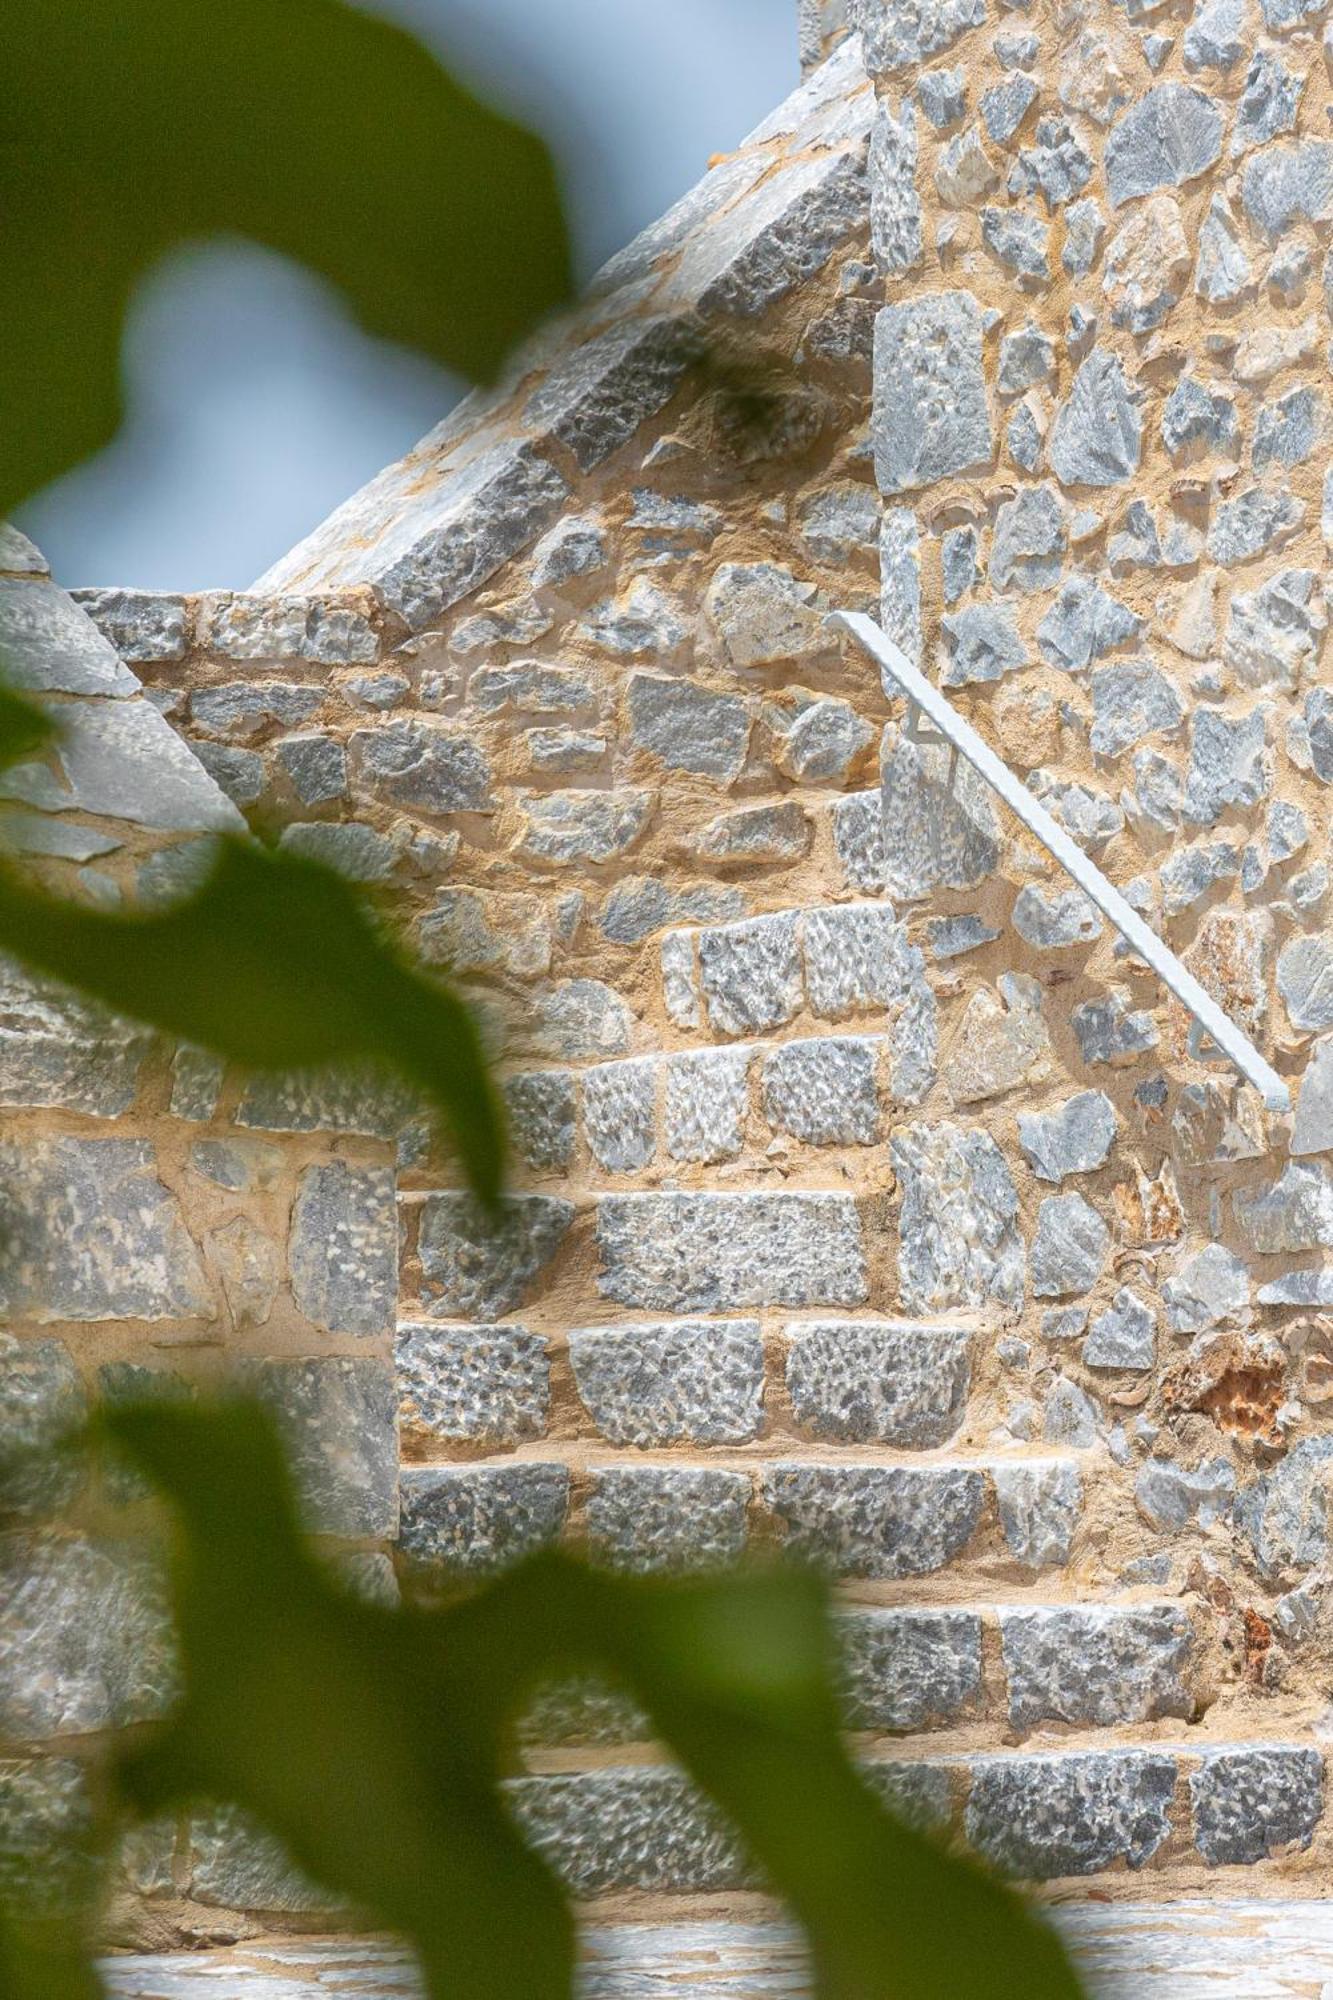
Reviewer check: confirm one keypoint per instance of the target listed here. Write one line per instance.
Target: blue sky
(255, 406)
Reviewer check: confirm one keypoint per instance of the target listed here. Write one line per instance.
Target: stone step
(829, 962)
(1214, 1948)
(876, 1521)
(707, 1106)
(907, 1670)
(1036, 1817)
(684, 1381)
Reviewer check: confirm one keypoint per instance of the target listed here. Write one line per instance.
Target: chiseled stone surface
(235, 1864)
(480, 1384)
(672, 1381)
(675, 1517)
(1070, 1814)
(1039, 1503)
(958, 1223)
(42, 1398)
(344, 1249)
(824, 1091)
(1098, 1666)
(337, 1418)
(1250, 1802)
(85, 1644)
(633, 1828)
(878, 1381)
(475, 1269)
(905, 1670)
(477, 1519)
(708, 1252)
(876, 1520)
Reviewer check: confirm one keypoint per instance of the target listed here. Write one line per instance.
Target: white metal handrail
(906, 679)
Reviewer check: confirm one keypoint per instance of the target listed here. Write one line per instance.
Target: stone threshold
(1209, 1948)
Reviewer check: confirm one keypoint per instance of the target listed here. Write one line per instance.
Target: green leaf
(24, 727)
(130, 126)
(39, 1960)
(409, 1730)
(275, 963)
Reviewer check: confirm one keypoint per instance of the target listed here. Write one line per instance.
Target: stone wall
(872, 1201)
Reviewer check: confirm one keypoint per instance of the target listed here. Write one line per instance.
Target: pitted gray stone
(908, 1669)
(959, 1244)
(344, 1249)
(751, 973)
(1252, 1802)
(476, 1269)
(620, 1113)
(338, 1420)
(875, 1520)
(1075, 1138)
(1172, 135)
(707, 1100)
(824, 1091)
(476, 1384)
(1039, 1502)
(687, 728)
(478, 1519)
(1070, 1814)
(1097, 1666)
(892, 1382)
(932, 414)
(650, 1518)
(673, 1381)
(711, 1252)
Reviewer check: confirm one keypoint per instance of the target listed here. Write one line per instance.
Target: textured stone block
(687, 728)
(58, 1049)
(1075, 1138)
(710, 1252)
(751, 973)
(476, 1519)
(932, 413)
(921, 1794)
(620, 1113)
(475, 1269)
(908, 1669)
(344, 1248)
(350, 1098)
(879, 1381)
(235, 1864)
(1039, 1501)
(84, 1644)
(824, 1091)
(337, 1416)
(480, 1384)
(540, 1104)
(876, 1520)
(857, 958)
(636, 1828)
(676, 1381)
(707, 1099)
(47, 1841)
(1097, 1666)
(91, 1233)
(648, 1518)
(938, 827)
(1256, 1801)
(1041, 1817)
(423, 766)
(958, 1236)
(41, 1399)
(139, 624)
(1172, 135)
(1069, 1248)
(1283, 1514)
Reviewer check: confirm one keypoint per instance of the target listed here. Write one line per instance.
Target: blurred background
(257, 406)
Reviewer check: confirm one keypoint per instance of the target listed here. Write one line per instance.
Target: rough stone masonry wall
(872, 1203)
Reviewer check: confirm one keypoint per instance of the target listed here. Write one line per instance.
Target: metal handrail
(895, 667)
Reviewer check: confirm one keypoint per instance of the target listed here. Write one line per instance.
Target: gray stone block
(824, 1091)
(1229, 764)
(707, 1099)
(1283, 1514)
(712, 1252)
(1109, 1031)
(1069, 1248)
(1097, 433)
(48, 1845)
(1170, 1497)
(138, 624)
(42, 1398)
(123, 760)
(620, 1113)
(1291, 182)
(598, 394)
(1255, 1801)
(85, 1644)
(879, 1381)
(1042, 1817)
(351, 1098)
(337, 1416)
(91, 1233)
(908, 1669)
(1020, 241)
(939, 828)
(1039, 1501)
(1268, 104)
(1097, 1666)
(473, 1520)
(762, 615)
(876, 1520)
(476, 1269)
(1132, 699)
(1305, 981)
(59, 1049)
(592, 827)
(541, 1111)
(858, 840)
(234, 1864)
(899, 34)
(1251, 524)
(649, 1518)
(1172, 135)
(344, 1248)
(51, 646)
(581, 1017)
(1075, 1138)
(981, 644)
(672, 1382)
(423, 766)
(751, 973)
(959, 1244)
(1124, 1336)
(895, 205)
(486, 1385)
(636, 1828)
(1294, 1212)
(932, 414)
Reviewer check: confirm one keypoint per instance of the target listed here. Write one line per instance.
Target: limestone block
(908, 1669)
(424, 766)
(1295, 1212)
(241, 711)
(620, 1113)
(337, 1419)
(1284, 1513)
(598, 395)
(138, 624)
(1070, 1814)
(705, 1252)
(91, 1233)
(1075, 1138)
(475, 1269)
(1039, 1502)
(875, 1520)
(476, 1519)
(640, 1827)
(591, 827)
(47, 1844)
(899, 34)
(687, 728)
(1256, 1801)
(932, 413)
(824, 1091)
(344, 1248)
(1001, 1042)
(476, 1384)
(540, 1104)
(672, 1381)
(1170, 1496)
(936, 833)
(959, 1244)
(85, 1644)
(1291, 182)
(42, 1398)
(750, 973)
(1109, 1031)
(650, 1518)
(234, 1864)
(1171, 136)
(315, 766)
(350, 1098)
(1256, 521)
(1069, 1248)
(895, 205)
(581, 1017)
(122, 759)
(1083, 623)
(59, 1049)
(879, 1381)
(1124, 1336)
(1097, 433)
(707, 1099)
(1097, 1666)
(645, 621)
(763, 615)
